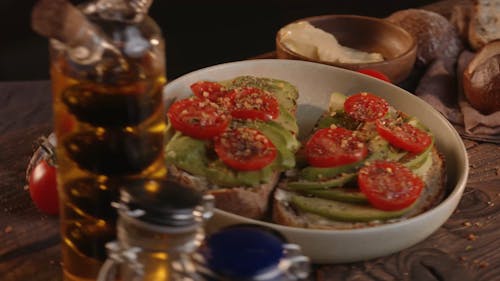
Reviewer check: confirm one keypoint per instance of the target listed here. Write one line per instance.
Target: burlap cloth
(441, 86)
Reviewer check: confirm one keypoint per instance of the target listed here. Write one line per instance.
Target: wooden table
(465, 248)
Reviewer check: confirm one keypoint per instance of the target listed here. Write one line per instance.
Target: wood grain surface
(464, 248)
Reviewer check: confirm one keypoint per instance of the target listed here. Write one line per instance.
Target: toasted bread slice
(247, 198)
(250, 202)
(434, 178)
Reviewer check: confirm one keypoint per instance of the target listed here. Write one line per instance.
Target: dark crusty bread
(484, 25)
(250, 202)
(436, 37)
(481, 79)
(433, 193)
(460, 18)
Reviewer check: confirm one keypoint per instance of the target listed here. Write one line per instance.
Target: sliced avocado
(308, 185)
(187, 153)
(342, 211)
(285, 92)
(274, 128)
(337, 101)
(190, 154)
(339, 119)
(378, 146)
(414, 161)
(220, 174)
(339, 194)
(282, 139)
(311, 173)
(287, 120)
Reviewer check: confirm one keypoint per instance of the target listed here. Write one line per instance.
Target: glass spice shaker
(156, 233)
(246, 252)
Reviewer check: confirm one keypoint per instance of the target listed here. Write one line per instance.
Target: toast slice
(434, 191)
(194, 162)
(250, 202)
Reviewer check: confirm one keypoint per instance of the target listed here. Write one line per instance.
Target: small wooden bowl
(397, 46)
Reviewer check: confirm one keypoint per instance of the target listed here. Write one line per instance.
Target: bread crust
(250, 202)
(481, 79)
(432, 195)
(436, 37)
(484, 25)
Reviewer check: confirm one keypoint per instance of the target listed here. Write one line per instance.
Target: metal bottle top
(163, 203)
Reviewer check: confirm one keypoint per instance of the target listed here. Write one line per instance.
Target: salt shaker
(157, 232)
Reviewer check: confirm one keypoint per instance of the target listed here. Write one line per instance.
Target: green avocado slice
(311, 173)
(339, 194)
(378, 146)
(341, 211)
(308, 185)
(413, 161)
(339, 119)
(285, 92)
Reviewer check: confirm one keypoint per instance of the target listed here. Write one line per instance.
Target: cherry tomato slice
(403, 135)
(198, 118)
(43, 188)
(333, 147)
(389, 185)
(213, 91)
(245, 149)
(365, 107)
(254, 103)
(374, 73)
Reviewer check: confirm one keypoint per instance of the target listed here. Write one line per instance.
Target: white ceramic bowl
(315, 82)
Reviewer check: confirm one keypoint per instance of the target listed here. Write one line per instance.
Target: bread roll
(460, 18)
(436, 37)
(484, 25)
(481, 79)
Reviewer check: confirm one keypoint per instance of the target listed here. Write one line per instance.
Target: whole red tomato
(43, 187)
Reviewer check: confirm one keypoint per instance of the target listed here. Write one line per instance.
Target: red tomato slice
(43, 188)
(403, 135)
(198, 118)
(213, 91)
(254, 103)
(333, 147)
(374, 73)
(245, 149)
(365, 107)
(389, 185)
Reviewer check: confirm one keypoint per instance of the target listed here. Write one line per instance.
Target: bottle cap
(161, 202)
(242, 252)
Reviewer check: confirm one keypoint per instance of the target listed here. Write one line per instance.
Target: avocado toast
(260, 116)
(362, 166)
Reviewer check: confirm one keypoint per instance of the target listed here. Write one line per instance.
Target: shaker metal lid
(242, 252)
(162, 202)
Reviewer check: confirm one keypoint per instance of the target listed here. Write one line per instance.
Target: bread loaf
(436, 37)
(481, 79)
(484, 25)
(460, 18)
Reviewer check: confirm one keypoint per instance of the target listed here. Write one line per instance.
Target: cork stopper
(60, 20)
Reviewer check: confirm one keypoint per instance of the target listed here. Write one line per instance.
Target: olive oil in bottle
(109, 122)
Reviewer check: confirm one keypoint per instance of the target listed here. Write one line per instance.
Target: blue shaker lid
(242, 252)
